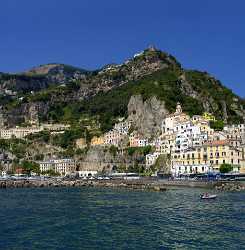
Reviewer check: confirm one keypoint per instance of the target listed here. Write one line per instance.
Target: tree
(30, 166)
(113, 150)
(217, 125)
(163, 163)
(50, 172)
(225, 168)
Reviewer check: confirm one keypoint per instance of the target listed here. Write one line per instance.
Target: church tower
(178, 108)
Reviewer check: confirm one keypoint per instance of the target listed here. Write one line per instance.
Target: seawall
(141, 184)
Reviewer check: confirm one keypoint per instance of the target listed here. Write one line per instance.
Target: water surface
(91, 218)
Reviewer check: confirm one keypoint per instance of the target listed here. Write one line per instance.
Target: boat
(207, 196)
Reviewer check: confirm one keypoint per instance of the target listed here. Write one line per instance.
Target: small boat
(208, 196)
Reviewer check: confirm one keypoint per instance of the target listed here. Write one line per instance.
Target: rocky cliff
(146, 116)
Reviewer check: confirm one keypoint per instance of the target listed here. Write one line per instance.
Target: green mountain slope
(105, 93)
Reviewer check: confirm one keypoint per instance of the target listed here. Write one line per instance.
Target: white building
(113, 137)
(18, 132)
(123, 127)
(151, 158)
(172, 120)
(61, 166)
(21, 132)
(235, 132)
(55, 126)
(87, 173)
(179, 169)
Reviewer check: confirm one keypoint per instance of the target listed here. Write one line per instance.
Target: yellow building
(219, 152)
(189, 162)
(208, 157)
(242, 168)
(97, 140)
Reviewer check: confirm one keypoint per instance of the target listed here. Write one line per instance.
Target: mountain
(63, 93)
(39, 78)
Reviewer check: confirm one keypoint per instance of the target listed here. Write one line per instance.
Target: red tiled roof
(217, 143)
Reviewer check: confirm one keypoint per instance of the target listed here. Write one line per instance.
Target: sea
(103, 218)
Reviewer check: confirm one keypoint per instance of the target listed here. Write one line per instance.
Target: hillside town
(189, 144)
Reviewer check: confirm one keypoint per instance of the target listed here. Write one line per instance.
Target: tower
(178, 108)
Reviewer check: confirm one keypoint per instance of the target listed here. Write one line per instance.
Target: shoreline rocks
(158, 186)
(81, 183)
(230, 187)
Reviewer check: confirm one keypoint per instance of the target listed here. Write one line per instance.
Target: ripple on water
(89, 218)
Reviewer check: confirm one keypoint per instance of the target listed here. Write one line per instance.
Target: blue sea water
(91, 218)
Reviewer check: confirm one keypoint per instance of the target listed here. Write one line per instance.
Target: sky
(207, 35)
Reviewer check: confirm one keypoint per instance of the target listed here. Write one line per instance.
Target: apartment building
(137, 140)
(18, 132)
(61, 166)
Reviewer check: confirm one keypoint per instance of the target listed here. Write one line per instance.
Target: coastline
(143, 184)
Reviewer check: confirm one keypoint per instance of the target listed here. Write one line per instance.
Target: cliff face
(146, 116)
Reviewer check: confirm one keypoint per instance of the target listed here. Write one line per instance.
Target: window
(217, 161)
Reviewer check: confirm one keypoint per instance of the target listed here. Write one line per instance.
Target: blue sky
(205, 35)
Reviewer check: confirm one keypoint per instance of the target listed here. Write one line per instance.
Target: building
(177, 170)
(151, 158)
(18, 132)
(167, 144)
(188, 162)
(123, 127)
(87, 173)
(55, 126)
(172, 120)
(235, 132)
(136, 140)
(81, 143)
(97, 140)
(219, 152)
(61, 166)
(21, 132)
(209, 156)
(113, 137)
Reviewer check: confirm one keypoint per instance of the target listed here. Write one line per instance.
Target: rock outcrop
(146, 115)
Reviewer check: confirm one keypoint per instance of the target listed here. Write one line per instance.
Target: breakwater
(154, 186)
(142, 184)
